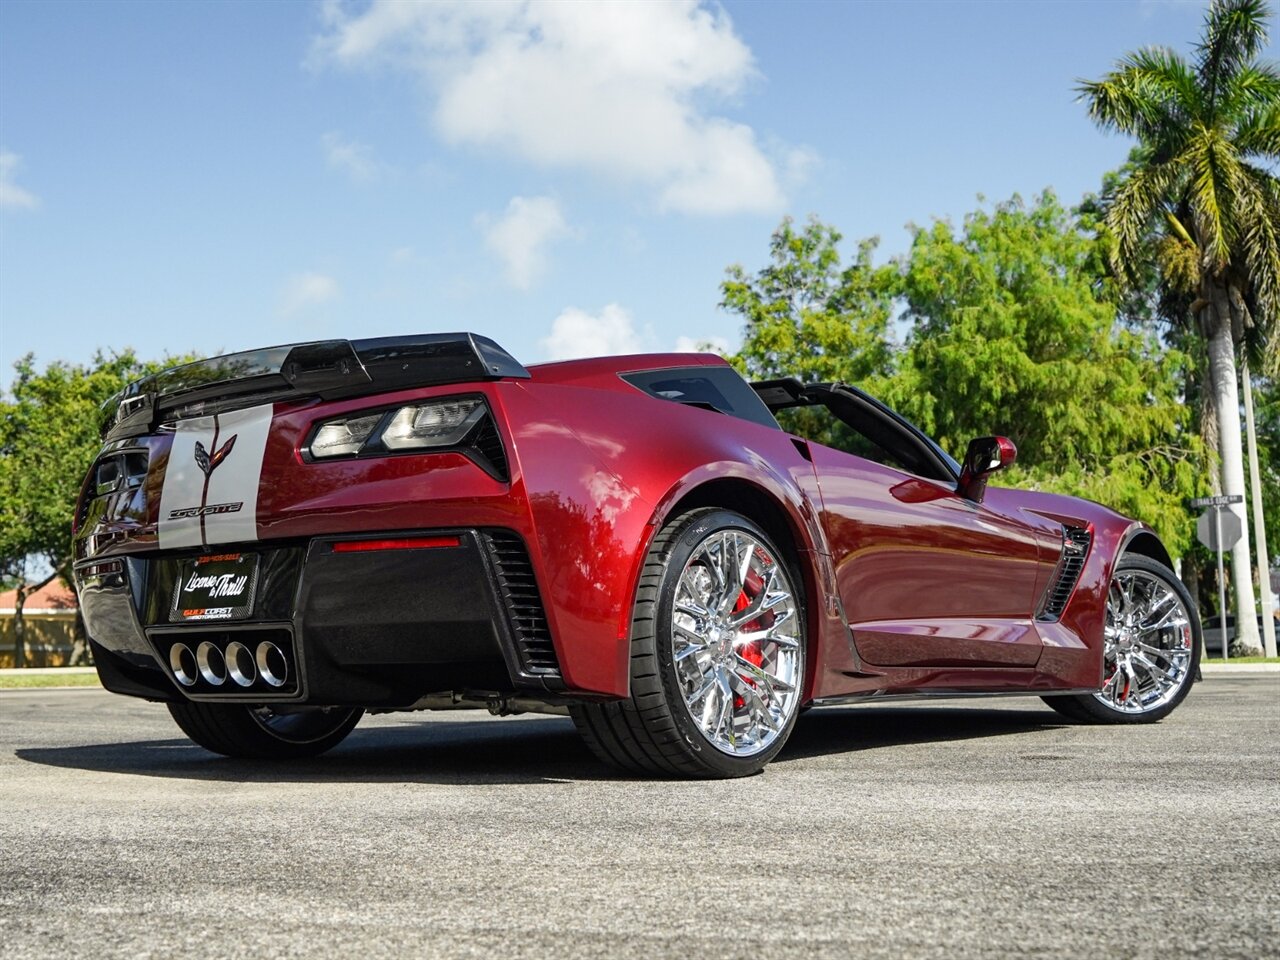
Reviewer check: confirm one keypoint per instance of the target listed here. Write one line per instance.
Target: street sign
(1222, 501)
(1219, 528)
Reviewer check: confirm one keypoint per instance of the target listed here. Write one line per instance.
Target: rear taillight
(434, 424)
(462, 425)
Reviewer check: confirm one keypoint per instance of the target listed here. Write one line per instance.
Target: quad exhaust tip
(213, 667)
(272, 665)
(183, 664)
(240, 665)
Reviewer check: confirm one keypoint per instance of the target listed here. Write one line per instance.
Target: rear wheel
(264, 733)
(1151, 648)
(717, 655)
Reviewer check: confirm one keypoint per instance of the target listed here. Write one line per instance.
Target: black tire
(1087, 708)
(652, 732)
(244, 732)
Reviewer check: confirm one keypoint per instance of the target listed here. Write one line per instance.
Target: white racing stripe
(210, 492)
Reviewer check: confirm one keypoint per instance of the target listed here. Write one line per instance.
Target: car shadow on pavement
(529, 750)
(831, 730)
(532, 750)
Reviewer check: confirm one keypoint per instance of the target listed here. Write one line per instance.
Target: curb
(1219, 669)
(45, 671)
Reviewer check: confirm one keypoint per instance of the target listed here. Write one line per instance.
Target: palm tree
(1209, 138)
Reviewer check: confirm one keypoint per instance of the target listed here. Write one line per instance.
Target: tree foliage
(809, 317)
(48, 439)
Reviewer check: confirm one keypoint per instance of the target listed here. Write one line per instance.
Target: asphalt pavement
(949, 829)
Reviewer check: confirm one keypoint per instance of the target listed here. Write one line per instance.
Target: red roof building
(53, 598)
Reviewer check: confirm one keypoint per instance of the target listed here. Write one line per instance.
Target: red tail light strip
(399, 543)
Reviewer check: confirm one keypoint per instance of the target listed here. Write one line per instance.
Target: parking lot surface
(950, 829)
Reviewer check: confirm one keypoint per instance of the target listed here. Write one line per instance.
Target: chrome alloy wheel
(735, 639)
(1147, 644)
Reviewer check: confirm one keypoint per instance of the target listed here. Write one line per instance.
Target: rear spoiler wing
(330, 369)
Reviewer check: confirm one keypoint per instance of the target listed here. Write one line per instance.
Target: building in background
(50, 614)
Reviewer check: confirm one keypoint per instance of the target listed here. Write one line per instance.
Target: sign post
(1218, 529)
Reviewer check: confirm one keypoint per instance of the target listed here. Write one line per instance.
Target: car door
(926, 577)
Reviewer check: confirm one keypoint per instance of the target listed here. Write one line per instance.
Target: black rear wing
(330, 369)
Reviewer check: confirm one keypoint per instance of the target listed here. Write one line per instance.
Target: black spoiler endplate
(330, 369)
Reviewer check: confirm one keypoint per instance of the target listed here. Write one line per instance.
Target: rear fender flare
(808, 541)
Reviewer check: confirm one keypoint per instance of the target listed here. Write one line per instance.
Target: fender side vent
(1075, 547)
(518, 590)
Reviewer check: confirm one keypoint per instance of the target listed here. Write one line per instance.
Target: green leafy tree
(809, 317)
(1016, 334)
(48, 439)
(1208, 129)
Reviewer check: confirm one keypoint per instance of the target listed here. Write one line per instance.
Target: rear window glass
(714, 388)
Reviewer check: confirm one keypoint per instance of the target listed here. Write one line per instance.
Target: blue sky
(572, 178)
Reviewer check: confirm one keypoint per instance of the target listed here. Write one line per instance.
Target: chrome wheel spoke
(1157, 673)
(690, 651)
(701, 693)
(1169, 600)
(769, 682)
(693, 609)
(758, 706)
(766, 599)
(1161, 652)
(769, 632)
(688, 635)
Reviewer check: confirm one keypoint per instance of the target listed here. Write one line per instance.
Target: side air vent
(486, 442)
(519, 592)
(1075, 547)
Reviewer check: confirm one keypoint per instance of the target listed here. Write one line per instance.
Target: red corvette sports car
(273, 542)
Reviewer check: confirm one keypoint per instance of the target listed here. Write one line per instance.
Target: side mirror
(984, 457)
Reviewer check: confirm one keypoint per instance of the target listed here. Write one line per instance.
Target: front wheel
(1151, 648)
(264, 733)
(717, 655)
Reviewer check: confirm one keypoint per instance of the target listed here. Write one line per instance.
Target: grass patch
(18, 681)
(1217, 658)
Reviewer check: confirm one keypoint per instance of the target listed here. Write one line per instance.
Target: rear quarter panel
(604, 465)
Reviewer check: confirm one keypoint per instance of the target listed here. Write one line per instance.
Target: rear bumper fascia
(376, 628)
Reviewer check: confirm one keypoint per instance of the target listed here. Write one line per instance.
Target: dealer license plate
(216, 587)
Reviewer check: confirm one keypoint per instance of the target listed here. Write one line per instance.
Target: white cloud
(520, 237)
(798, 163)
(305, 290)
(701, 345)
(618, 89)
(12, 195)
(576, 333)
(355, 159)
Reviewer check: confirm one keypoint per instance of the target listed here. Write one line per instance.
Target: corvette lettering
(210, 510)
